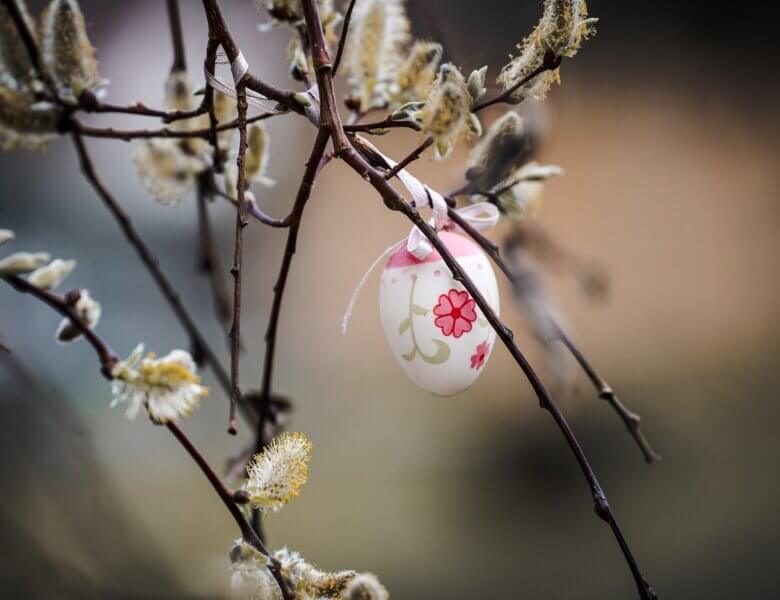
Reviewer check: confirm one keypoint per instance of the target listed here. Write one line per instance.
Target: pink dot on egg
(436, 273)
(413, 276)
(392, 280)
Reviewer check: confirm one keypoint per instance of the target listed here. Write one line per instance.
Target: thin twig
(219, 32)
(396, 202)
(386, 123)
(303, 195)
(629, 418)
(410, 158)
(241, 222)
(177, 37)
(550, 62)
(150, 262)
(209, 263)
(127, 135)
(343, 38)
(64, 305)
(108, 359)
(254, 211)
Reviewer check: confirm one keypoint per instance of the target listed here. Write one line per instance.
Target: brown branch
(64, 305)
(410, 158)
(343, 37)
(219, 33)
(107, 358)
(294, 221)
(630, 419)
(241, 222)
(177, 37)
(396, 202)
(254, 211)
(249, 534)
(386, 123)
(127, 135)
(149, 260)
(208, 262)
(550, 62)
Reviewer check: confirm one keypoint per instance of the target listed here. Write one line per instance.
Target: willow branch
(396, 202)
(174, 19)
(249, 534)
(208, 262)
(630, 419)
(254, 211)
(127, 135)
(294, 220)
(107, 358)
(410, 158)
(149, 260)
(220, 33)
(343, 38)
(64, 305)
(241, 222)
(550, 62)
(386, 123)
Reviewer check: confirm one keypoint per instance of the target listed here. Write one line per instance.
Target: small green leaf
(410, 355)
(419, 310)
(405, 324)
(442, 353)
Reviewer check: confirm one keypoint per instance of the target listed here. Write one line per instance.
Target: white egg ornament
(435, 330)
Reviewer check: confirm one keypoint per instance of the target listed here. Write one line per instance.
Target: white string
(252, 97)
(361, 284)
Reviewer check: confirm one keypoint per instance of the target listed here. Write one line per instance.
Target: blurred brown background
(667, 127)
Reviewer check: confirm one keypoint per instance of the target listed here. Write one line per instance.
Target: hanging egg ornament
(435, 329)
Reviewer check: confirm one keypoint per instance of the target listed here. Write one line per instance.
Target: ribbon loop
(482, 215)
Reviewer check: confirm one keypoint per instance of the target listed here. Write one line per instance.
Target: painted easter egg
(435, 330)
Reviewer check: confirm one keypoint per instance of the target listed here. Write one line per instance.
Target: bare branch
(241, 222)
(177, 37)
(150, 262)
(64, 306)
(629, 418)
(410, 158)
(343, 38)
(394, 201)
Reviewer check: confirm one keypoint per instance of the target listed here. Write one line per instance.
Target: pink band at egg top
(457, 244)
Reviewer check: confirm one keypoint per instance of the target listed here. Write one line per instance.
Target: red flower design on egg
(455, 313)
(479, 356)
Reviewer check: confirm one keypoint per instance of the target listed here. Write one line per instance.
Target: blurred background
(667, 127)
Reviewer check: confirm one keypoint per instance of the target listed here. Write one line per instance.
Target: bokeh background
(667, 127)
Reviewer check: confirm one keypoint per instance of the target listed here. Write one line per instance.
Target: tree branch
(64, 305)
(241, 222)
(150, 261)
(550, 62)
(409, 158)
(127, 135)
(343, 37)
(107, 360)
(208, 262)
(396, 202)
(174, 19)
(629, 418)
